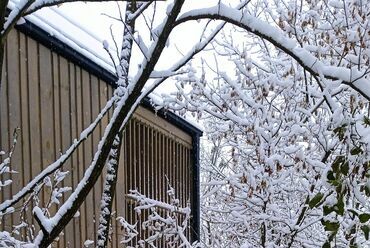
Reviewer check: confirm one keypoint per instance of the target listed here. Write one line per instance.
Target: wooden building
(51, 92)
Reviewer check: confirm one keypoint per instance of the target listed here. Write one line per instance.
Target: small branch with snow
(141, 8)
(146, 203)
(5, 165)
(164, 221)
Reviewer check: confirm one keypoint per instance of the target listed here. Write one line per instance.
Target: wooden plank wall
(154, 153)
(51, 100)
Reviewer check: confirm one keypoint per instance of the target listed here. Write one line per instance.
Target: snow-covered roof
(56, 22)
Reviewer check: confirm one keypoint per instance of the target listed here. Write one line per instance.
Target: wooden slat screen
(52, 100)
(153, 155)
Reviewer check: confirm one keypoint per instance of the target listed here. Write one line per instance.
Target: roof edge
(173, 118)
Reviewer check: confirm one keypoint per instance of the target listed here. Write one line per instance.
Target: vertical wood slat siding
(4, 130)
(157, 156)
(42, 94)
(74, 159)
(52, 100)
(11, 107)
(24, 141)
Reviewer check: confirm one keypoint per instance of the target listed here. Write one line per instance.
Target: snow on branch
(5, 165)
(14, 16)
(140, 10)
(145, 203)
(353, 77)
(163, 221)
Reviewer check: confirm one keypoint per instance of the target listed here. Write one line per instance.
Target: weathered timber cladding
(51, 100)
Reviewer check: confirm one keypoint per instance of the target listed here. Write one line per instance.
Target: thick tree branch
(108, 192)
(114, 156)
